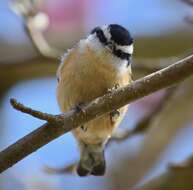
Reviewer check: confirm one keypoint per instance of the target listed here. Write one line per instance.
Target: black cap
(120, 35)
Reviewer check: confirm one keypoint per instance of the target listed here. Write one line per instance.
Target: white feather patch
(126, 49)
(106, 32)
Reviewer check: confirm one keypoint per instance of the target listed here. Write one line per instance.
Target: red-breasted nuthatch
(96, 64)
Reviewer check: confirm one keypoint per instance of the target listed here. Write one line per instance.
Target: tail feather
(92, 160)
(99, 170)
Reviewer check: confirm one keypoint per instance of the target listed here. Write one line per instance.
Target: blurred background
(33, 35)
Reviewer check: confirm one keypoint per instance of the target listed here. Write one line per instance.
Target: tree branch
(143, 124)
(40, 115)
(111, 101)
(121, 135)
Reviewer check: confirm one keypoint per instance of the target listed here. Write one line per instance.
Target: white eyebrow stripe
(106, 32)
(125, 49)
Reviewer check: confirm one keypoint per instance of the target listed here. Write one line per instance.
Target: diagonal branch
(111, 101)
(118, 136)
(40, 115)
(143, 125)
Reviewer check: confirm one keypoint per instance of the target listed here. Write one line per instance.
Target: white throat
(93, 42)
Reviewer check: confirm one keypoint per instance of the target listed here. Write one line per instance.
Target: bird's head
(116, 39)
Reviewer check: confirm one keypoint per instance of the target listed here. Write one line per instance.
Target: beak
(109, 46)
(129, 61)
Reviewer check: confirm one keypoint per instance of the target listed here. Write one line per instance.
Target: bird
(96, 65)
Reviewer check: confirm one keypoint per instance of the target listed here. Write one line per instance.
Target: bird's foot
(81, 171)
(83, 128)
(113, 88)
(80, 107)
(114, 116)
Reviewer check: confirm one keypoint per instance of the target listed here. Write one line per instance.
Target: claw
(79, 108)
(83, 128)
(114, 115)
(81, 171)
(116, 86)
(113, 88)
(98, 170)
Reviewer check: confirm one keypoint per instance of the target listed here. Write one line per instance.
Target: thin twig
(40, 115)
(111, 101)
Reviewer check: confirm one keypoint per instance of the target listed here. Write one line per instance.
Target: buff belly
(84, 81)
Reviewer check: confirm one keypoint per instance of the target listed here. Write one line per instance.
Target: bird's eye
(111, 45)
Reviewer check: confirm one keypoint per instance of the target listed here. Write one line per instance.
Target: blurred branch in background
(12, 73)
(42, 67)
(60, 124)
(175, 178)
(188, 2)
(189, 17)
(143, 124)
(35, 23)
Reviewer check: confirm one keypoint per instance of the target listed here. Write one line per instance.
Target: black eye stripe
(100, 35)
(121, 54)
(117, 52)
